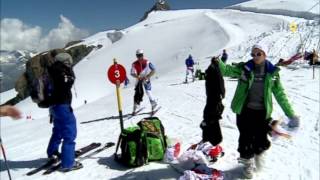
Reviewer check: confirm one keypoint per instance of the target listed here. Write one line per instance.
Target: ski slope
(167, 39)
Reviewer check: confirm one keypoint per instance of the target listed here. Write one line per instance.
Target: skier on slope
(142, 69)
(64, 121)
(189, 65)
(252, 102)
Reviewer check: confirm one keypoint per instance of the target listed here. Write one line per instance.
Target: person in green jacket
(252, 102)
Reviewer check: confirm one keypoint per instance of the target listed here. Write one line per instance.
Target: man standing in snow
(213, 110)
(252, 102)
(142, 70)
(189, 63)
(215, 90)
(64, 121)
(224, 56)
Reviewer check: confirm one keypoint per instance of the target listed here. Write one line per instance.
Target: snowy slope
(296, 8)
(168, 38)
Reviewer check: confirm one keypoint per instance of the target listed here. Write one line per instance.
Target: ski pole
(313, 69)
(5, 159)
(119, 98)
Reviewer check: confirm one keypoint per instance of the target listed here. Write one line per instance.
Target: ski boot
(260, 161)
(135, 109)
(186, 81)
(55, 157)
(248, 167)
(154, 105)
(77, 165)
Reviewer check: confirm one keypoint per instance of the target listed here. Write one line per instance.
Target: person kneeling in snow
(64, 121)
(252, 102)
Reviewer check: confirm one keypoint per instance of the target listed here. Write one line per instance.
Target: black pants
(253, 128)
(212, 133)
(211, 130)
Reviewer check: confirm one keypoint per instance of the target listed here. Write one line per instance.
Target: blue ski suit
(64, 121)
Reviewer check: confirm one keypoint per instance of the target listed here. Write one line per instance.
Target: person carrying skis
(142, 69)
(213, 110)
(189, 64)
(252, 102)
(64, 121)
(224, 56)
(283, 62)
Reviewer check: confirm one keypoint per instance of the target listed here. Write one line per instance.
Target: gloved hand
(215, 60)
(294, 122)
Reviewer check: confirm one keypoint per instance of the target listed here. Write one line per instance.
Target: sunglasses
(139, 55)
(256, 55)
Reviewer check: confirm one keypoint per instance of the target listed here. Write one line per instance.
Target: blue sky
(94, 15)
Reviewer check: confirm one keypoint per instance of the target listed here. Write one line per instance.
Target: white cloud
(15, 35)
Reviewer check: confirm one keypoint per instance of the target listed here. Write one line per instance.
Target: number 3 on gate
(116, 73)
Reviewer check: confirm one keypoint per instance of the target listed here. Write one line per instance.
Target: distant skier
(224, 56)
(142, 69)
(64, 121)
(252, 102)
(190, 70)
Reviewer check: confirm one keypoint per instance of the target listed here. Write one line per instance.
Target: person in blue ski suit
(61, 113)
(189, 65)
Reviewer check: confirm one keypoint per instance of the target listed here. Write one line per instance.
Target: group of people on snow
(189, 62)
(252, 104)
(64, 129)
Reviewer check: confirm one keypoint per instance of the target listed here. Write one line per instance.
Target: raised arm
(230, 70)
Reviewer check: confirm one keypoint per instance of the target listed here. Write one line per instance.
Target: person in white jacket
(142, 69)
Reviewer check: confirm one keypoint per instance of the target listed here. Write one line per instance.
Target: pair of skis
(126, 116)
(138, 112)
(52, 166)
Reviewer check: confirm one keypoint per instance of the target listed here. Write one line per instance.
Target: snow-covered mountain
(167, 39)
(309, 9)
(12, 66)
(16, 56)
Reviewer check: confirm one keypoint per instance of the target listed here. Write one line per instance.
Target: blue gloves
(294, 122)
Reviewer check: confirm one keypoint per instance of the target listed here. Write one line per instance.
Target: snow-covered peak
(15, 56)
(308, 9)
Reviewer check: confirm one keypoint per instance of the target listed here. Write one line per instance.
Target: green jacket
(243, 71)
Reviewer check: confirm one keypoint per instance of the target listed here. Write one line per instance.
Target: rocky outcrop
(115, 36)
(160, 5)
(23, 82)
